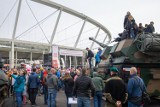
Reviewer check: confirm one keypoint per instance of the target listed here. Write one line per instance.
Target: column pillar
(11, 55)
(30, 58)
(16, 59)
(75, 61)
(65, 60)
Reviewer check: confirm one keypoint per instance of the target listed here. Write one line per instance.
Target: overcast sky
(109, 13)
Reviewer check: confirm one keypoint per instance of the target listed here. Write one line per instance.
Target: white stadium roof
(34, 25)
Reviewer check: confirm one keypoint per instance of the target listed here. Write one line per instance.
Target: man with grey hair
(52, 83)
(135, 88)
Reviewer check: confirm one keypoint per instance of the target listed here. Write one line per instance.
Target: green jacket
(98, 83)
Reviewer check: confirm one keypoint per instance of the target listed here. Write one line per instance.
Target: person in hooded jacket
(99, 86)
(19, 87)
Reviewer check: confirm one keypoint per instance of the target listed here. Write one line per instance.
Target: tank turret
(148, 43)
(143, 53)
(101, 44)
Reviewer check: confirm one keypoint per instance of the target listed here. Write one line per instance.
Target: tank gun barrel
(101, 44)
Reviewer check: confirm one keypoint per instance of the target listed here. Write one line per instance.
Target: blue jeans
(98, 99)
(132, 105)
(132, 35)
(19, 98)
(90, 62)
(45, 94)
(52, 93)
(83, 102)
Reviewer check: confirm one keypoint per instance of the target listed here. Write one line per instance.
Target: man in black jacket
(90, 55)
(82, 87)
(115, 89)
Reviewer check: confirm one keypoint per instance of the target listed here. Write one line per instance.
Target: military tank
(3, 84)
(142, 52)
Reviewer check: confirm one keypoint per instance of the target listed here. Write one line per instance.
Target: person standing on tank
(97, 57)
(126, 19)
(90, 55)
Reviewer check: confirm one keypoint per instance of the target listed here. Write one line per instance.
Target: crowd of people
(26, 84)
(76, 83)
(131, 29)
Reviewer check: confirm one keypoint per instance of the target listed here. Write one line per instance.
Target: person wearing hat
(115, 89)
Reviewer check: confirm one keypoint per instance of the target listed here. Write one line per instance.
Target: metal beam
(104, 39)
(24, 42)
(76, 43)
(75, 13)
(16, 20)
(95, 38)
(55, 27)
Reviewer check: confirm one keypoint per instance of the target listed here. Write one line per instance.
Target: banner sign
(55, 61)
(66, 52)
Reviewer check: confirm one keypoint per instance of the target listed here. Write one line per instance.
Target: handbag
(136, 100)
(145, 98)
(145, 95)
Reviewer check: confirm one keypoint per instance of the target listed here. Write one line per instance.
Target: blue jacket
(100, 52)
(133, 87)
(97, 57)
(58, 73)
(33, 80)
(19, 83)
